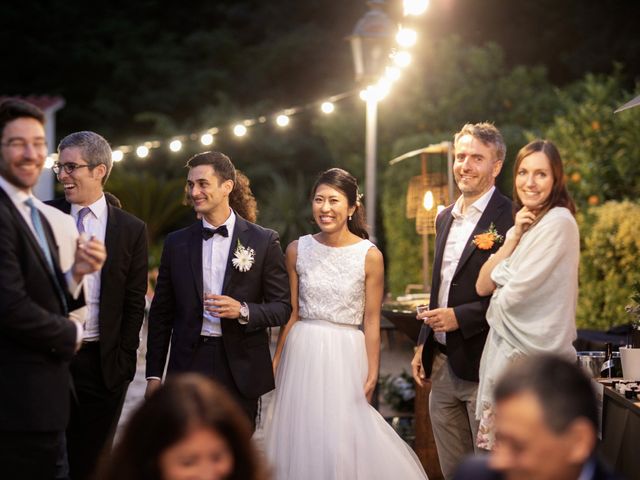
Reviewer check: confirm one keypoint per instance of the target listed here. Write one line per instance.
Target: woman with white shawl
(533, 277)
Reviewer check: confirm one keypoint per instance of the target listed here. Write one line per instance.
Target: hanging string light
(399, 59)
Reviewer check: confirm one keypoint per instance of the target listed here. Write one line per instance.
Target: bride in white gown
(320, 424)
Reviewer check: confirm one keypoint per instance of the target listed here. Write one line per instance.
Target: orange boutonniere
(486, 240)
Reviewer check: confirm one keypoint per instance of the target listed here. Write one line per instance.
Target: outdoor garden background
(135, 71)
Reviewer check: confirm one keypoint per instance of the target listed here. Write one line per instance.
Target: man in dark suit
(239, 267)
(546, 422)
(37, 340)
(455, 328)
(106, 363)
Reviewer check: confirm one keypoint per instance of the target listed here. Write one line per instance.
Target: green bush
(608, 264)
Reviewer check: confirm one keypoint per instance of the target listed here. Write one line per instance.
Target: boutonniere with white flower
(487, 239)
(243, 257)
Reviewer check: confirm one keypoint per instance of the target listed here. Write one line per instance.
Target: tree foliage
(601, 151)
(608, 263)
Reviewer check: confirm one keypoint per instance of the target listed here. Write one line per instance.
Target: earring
(349, 217)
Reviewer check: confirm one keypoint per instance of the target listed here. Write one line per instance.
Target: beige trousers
(452, 407)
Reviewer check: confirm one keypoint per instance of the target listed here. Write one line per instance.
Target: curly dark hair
(241, 198)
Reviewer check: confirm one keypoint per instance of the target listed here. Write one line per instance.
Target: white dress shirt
(95, 223)
(215, 254)
(18, 197)
(459, 236)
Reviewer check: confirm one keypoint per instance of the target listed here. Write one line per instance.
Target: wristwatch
(244, 313)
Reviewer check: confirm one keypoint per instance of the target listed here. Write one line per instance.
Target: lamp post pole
(371, 144)
(370, 48)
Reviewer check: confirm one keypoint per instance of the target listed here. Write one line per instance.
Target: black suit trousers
(210, 359)
(95, 412)
(29, 455)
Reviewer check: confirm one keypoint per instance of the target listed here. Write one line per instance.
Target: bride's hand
(276, 361)
(369, 387)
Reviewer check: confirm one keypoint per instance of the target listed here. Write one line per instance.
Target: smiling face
(331, 209)
(24, 151)
(475, 168)
(201, 455)
(209, 195)
(534, 180)
(83, 186)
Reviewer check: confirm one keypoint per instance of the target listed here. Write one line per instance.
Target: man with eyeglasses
(115, 297)
(37, 339)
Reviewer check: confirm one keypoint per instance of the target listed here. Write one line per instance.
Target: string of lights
(398, 59)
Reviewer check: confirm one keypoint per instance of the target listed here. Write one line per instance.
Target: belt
(441, 348)
(210, 339)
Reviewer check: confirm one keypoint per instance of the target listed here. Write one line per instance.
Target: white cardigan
(533, 307)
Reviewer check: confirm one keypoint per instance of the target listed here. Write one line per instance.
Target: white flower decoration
(243, 257)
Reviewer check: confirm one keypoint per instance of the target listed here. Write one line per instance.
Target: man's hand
(222, 306)
(90, 257)
(153, 384)
(441, 319)
(416, 367)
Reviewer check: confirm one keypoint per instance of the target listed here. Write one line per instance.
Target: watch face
(244, 311)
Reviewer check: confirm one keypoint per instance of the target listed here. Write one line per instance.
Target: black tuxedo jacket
(465, 345)
(477, 468)
(36, 339)
(123, 285)
(176, 310)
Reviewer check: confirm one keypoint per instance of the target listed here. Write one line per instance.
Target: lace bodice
(331, 281)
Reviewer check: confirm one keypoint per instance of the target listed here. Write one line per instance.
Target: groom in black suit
(106, 363)
(453, 335)
(239, 267)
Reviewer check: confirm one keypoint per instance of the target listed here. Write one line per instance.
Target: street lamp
(370, 46)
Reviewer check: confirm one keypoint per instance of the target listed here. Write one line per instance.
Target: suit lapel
(239, 233)
(493, 209)
(35, 245)
(111, 245)
(195, 256)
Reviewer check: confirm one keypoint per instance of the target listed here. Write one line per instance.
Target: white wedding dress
(319, 425)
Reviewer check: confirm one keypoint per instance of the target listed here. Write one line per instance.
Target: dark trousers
(28, 455)
(210, 359)
(94, 412)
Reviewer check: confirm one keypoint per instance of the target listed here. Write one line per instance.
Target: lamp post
(370, 45)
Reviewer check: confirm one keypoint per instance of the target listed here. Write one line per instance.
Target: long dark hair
(184, 402)
(345, 182)
(559, 196)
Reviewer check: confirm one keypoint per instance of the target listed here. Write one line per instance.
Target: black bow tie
(207, 233)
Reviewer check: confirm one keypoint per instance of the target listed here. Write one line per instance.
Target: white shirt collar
(230, 222)
(17, 196)
(98, 208)
(479, 205)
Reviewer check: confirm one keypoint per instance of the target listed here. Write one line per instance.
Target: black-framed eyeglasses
(67, 167)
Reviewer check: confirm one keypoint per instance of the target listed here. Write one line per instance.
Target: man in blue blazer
(222, 281)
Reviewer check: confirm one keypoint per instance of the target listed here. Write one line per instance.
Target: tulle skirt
(320, 425)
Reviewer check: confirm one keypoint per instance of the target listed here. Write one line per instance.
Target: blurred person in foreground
(189, 429)
(546, 426)
(533, 278)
